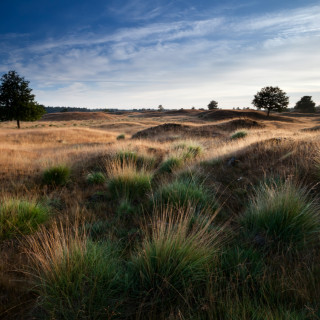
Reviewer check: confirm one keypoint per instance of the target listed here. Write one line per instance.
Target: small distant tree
(160, 107)
(16, 101)
(213, 105)
(306, 105)
(271, 98)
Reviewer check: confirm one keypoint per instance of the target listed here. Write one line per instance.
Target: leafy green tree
(16, 100)
(213, 105)
(305, 104)
(271, 98)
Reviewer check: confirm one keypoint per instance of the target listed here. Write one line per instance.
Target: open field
(160, 215)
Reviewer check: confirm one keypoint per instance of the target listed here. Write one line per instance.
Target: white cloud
(177, 64)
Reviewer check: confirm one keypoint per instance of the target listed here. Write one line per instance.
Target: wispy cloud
(178, 63)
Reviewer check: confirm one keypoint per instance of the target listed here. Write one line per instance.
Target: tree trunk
(268, 112)
(18, 123)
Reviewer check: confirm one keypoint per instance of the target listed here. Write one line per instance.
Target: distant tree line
(50, 109)
(18, 103)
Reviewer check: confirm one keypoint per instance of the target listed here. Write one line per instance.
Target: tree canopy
(16, 100)
(213, 105)
(305, 104)
(271, 98)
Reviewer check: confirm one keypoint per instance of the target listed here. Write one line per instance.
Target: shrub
(75, 278)
(281, 216)
(56, 176)
(20, 217)
(121, 137)
(239, 135)
(96, 178)
(173, 264)
(185, 193)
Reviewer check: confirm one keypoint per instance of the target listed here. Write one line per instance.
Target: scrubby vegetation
(217, 227)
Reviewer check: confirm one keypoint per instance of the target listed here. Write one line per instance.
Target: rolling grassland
(161, 215)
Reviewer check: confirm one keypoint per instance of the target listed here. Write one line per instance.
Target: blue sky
(178, 53)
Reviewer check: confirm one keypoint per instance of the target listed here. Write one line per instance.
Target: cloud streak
(177, 64)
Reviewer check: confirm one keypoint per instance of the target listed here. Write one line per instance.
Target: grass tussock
(239, 135)
(75, 278)
(186, 193)
(20, 217)
(173, 264)
(140, 160)
(127, 182)
(282, 216)
(96, 178)
(56, 176)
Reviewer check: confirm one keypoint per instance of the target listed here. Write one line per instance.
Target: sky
(179, 53)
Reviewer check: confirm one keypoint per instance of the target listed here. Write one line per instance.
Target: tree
(17, 101)
(160, 107)
(271, 98)
(305, 104)
(213, 105)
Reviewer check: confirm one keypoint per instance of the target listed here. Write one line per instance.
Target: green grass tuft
(139, 160)
(20, 217)
(131, 185)
(185, 193)
(239, 135)
(282, 216)
(56, 176)
(75, 278)
(173, 264)
(121, 137)
(171, 164)
(96, 178)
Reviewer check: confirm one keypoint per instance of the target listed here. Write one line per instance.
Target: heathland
(160, 215)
